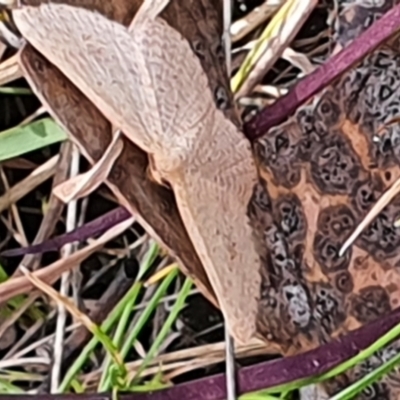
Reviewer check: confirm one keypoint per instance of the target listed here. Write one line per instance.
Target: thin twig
(230, 365)
(383, 201)
(62, 314)
(254, 19)
(278, 34)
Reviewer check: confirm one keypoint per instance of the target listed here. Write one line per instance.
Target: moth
(149, 83)
(153, 205)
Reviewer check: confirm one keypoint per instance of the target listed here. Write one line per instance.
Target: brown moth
(152, 86)
(153, 205)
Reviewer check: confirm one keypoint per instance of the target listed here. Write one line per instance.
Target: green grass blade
(364, 354)
(15, 90)
(261, 44)
(9, 388)
(368, 379)
(179, 304)
(148, 260)
(361, 356)
(143, 319)
(106, 326)
(20, 140)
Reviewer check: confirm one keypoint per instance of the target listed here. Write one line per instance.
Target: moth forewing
(212, 197)
(150, 84)
(99, 57)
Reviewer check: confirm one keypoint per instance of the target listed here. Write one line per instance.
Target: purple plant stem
(272, 373)
(313, 83)
(260, 376)
(91, 229)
